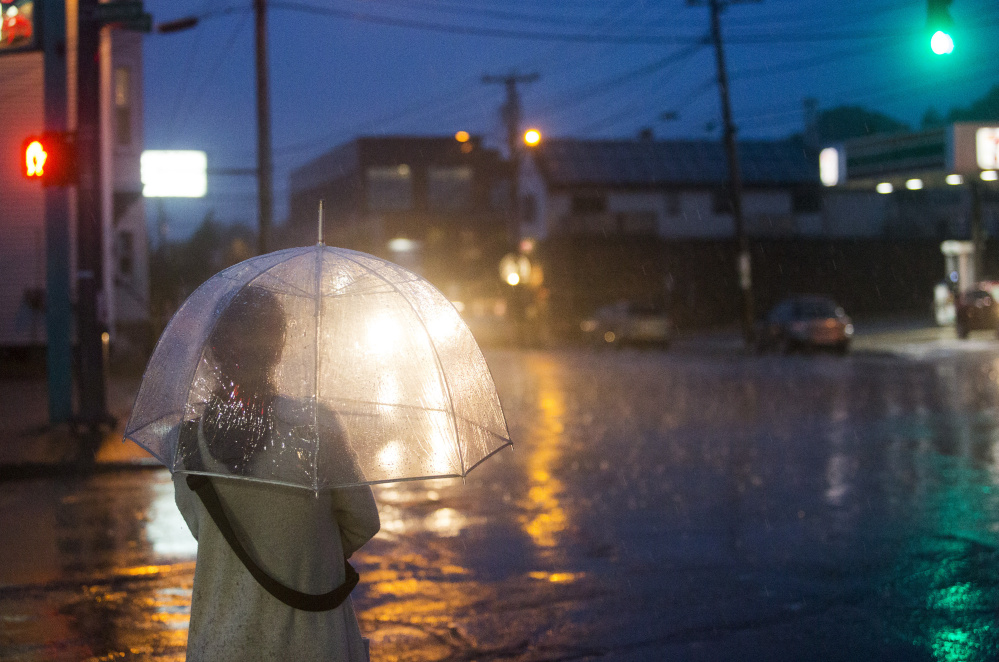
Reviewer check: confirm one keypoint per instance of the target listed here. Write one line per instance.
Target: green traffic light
(941, 43)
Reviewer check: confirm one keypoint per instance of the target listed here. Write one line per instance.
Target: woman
(298, 537)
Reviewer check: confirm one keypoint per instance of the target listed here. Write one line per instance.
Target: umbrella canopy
(319, 367)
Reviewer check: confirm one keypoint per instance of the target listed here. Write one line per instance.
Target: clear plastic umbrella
(318, 367)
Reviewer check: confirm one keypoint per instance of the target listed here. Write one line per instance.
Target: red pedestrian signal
(50, 158)
(34, 159)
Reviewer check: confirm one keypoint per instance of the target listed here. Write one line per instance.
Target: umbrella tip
(320, 222)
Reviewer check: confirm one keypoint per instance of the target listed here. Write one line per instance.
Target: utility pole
(744, 263)
(265, 163)
(511, 117)
(58, 307)
(93, 407)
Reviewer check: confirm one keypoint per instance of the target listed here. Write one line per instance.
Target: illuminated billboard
(17, 25)
(987, 147)
(174, 173)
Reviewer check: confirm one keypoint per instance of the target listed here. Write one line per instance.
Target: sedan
(974, 311)
(805, 322)
(629, 323)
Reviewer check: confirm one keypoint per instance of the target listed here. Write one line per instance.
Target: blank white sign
(174, 173)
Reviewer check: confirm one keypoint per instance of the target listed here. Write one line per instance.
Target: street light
(532, 137)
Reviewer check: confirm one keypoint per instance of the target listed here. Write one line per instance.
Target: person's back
(300, 539)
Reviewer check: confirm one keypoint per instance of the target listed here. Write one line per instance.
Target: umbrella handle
(203, 487)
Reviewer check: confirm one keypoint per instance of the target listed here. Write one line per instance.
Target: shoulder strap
(289, 596)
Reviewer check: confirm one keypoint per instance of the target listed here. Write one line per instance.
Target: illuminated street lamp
(532, 137)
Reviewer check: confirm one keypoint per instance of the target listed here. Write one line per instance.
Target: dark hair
(254, 312)
(246, 343)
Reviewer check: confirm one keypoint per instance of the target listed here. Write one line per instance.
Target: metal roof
(567, 162)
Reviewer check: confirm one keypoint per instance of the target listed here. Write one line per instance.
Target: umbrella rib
(488, 455)
(437, 357)
(289, 285)
(422, 408)
(315, 381)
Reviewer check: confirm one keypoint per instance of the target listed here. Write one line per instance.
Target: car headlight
(848, 329)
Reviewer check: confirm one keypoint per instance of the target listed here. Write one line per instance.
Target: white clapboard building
(124, 308)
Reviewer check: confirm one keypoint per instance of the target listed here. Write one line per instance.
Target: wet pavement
(682, 505)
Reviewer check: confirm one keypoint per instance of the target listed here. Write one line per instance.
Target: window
(720, 202)
(499, 196)
(17, 24)
(806, 201)
(529, 209)
(588, 204)
(124, 253)
(637, 222)
(449, 189)
(390, 188)
(672, 201)
(123, 105)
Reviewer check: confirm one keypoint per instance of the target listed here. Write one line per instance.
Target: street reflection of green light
(955, 646)
(960, 597)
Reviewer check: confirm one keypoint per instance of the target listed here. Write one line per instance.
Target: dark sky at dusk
(342, 68)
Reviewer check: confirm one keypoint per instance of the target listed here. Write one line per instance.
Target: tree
(178, 268)
(983, 109)
(845, 122)
(932, 119)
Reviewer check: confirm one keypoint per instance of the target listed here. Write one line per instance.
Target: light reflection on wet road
(655, 506)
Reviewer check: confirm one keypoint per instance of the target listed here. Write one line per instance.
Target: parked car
(975, 310)
(629, 323)
(805, 322)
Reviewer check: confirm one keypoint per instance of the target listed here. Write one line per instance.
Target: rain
(694, 504)
(433, 330)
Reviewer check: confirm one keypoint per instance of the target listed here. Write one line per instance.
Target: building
(671, 189)
(437, 205)
(935, 184)
(124, 304)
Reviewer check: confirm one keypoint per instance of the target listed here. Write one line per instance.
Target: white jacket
(298, 537)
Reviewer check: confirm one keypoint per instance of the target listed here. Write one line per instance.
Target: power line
(601, 87)
(499, 14)
(481, 31)
(533, 35)
(216, 64)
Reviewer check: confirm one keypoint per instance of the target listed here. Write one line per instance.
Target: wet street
(656, 506)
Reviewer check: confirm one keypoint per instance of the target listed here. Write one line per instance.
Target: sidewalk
(891, 335)
(30, 446)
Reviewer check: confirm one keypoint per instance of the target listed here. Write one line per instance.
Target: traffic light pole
(58, 307)
(93, 407)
